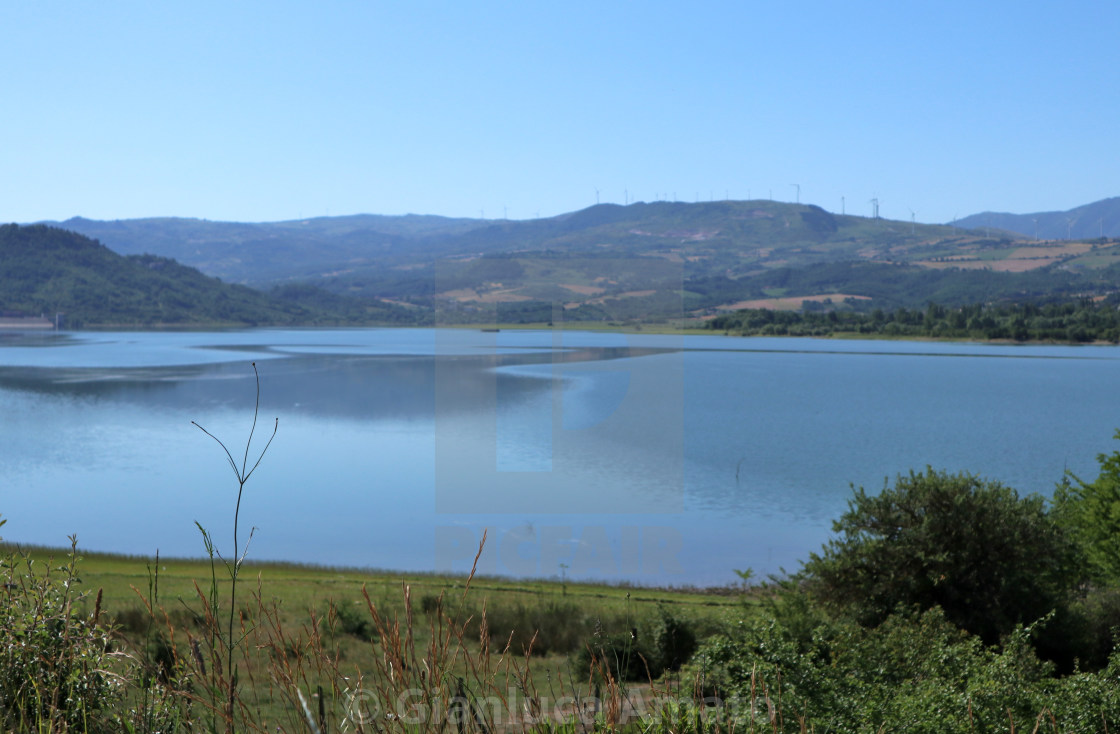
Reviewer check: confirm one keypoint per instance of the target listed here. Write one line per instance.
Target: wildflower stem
(243, 473)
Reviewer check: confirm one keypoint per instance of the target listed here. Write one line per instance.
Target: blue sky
(263, 111)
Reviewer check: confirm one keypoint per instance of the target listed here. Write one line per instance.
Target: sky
(267, 111)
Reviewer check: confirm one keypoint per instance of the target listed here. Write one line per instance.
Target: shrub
(1083, 636)
(56, 669)
(552, 627)
(620, 657)
(349, 618)
(915, 672)
(674, 640)
(1091, 512)
(431, 604)
(989, 558)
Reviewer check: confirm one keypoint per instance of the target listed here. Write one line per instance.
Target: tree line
(1079, 321)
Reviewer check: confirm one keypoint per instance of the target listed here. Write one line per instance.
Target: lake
(647, 458)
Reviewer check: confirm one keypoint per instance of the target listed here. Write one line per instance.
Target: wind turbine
(911, 221)
(596, 197)
(875, 208)
(798, 187)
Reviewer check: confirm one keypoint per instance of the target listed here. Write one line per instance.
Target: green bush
(349, 618)
(674, 640)
(431, 604)
(1091, 512)
(620, 656)
(916, 672)
(552, 627)
(986, 556)
(57, 671)
(1082, 636)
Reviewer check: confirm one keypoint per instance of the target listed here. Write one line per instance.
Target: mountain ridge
(611, 262)
(268, 253)
(1094, 220)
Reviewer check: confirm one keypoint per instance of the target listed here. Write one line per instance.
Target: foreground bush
(990, 559)
(1091, 512)
(914, 673)
(61, 666)
(56, 671)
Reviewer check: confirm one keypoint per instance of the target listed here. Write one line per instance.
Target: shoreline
(300, 569)
(591, 326)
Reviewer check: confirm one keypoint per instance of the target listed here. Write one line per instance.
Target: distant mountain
(262, 253)
(640, 262)
(713, 237)
(1099, 219)
(46, 271)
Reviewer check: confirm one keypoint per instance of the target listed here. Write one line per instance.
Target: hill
(51, 272)
(640, 262)
(271, 252)
(711, 236)
(1099, 219)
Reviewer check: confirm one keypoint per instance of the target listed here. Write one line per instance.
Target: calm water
(658, 459)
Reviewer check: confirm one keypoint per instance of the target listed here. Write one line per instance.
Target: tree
(987, 557)
(1091, 513)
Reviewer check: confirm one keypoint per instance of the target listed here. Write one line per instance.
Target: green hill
(49, 271)
(643, 261)
(712, 237)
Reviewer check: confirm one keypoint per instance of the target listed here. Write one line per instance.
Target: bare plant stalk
(242, 473)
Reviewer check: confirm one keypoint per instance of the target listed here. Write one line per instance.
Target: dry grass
(428, 664)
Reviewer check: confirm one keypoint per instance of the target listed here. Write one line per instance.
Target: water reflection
(331, 385)
(397, 446)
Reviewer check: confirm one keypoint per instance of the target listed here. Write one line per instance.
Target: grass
(348, 650)
(302, 585)
(323, 628)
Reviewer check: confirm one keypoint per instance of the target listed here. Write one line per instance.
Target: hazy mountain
(271, 251)
(711, 236)
(614, 263)
(1099, 219)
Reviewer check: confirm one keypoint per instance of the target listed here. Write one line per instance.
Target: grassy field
(319, 632)
(308, 587)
